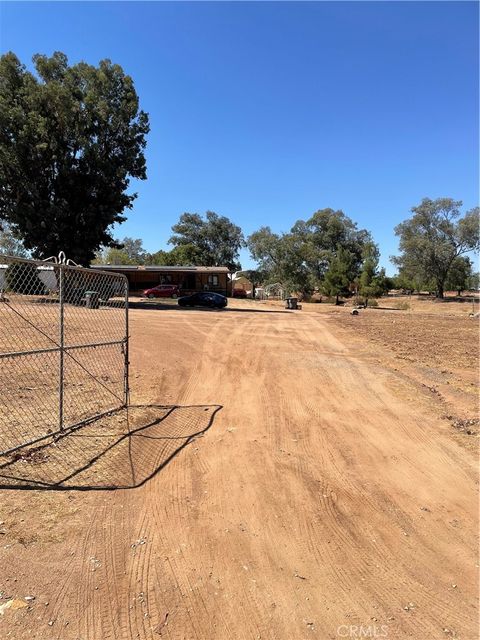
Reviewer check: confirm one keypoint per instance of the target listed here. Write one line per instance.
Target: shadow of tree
(119, 451)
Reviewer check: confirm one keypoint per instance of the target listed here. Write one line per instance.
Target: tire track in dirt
(391, 579)
(212, 339)
(287, 518)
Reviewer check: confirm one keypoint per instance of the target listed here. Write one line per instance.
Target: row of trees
(327, 252)
(72, 138)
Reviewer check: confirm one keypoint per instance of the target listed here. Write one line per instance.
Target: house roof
(155, 268)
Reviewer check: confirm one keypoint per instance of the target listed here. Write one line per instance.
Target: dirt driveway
(301, 494)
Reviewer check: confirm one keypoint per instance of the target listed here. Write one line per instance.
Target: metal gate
(63, 348)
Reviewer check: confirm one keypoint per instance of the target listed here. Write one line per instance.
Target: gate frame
(63, 264)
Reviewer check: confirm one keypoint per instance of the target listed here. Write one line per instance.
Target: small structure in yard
(275, 291)
(242, 286)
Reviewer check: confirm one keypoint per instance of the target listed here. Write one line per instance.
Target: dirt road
(320, 500)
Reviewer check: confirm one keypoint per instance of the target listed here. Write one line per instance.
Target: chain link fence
(63, 348)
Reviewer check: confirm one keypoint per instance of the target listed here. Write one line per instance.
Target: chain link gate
(63, 348)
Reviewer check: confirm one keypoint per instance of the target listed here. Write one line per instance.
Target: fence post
(126, 347)
(61, 345)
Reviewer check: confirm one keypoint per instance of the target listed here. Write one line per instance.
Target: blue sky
(266, 112)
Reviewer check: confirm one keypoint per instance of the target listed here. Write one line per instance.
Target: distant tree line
(330, 254)
(326, 253)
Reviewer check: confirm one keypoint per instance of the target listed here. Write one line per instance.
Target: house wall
(187, 281)
(140, 280)
(212, 282)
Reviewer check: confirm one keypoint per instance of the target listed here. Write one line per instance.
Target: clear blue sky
(266, 112)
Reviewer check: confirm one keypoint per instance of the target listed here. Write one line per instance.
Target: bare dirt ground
(282, 475)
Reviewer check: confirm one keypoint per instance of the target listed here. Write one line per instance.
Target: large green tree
(302, 258)
(71, 138)
(434, 237)
(127, 251)
(339, 274)
(133, 247)
(323, 235)
(279, 257)
(217, 239)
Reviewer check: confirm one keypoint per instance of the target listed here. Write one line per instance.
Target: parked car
(162, 291)
(204, 299)
(239, 293)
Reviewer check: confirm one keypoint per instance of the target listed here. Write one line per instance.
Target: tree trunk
(336, 300)
(366, 303)
(440, 291)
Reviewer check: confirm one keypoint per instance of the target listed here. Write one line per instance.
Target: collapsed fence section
(63, 348)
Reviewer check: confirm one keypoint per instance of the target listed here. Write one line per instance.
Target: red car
(163, 291)
(239, 293)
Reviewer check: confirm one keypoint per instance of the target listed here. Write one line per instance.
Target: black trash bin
(92, 299)
(291, 303)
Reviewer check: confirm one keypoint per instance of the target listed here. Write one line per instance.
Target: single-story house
(188, 279)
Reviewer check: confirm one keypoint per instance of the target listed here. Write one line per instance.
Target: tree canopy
(433, 238)
(338, 277)
(325, 251)
(71, 138)
(460, 275)
(183, 255)
(216, 239)
(372, 281)
(10, 244)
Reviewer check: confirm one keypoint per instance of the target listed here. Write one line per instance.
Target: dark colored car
(204, 299)
(162, 291)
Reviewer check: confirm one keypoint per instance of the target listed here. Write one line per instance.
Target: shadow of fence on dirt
(119, 451)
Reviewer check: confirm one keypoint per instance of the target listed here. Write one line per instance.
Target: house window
(213, 280)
